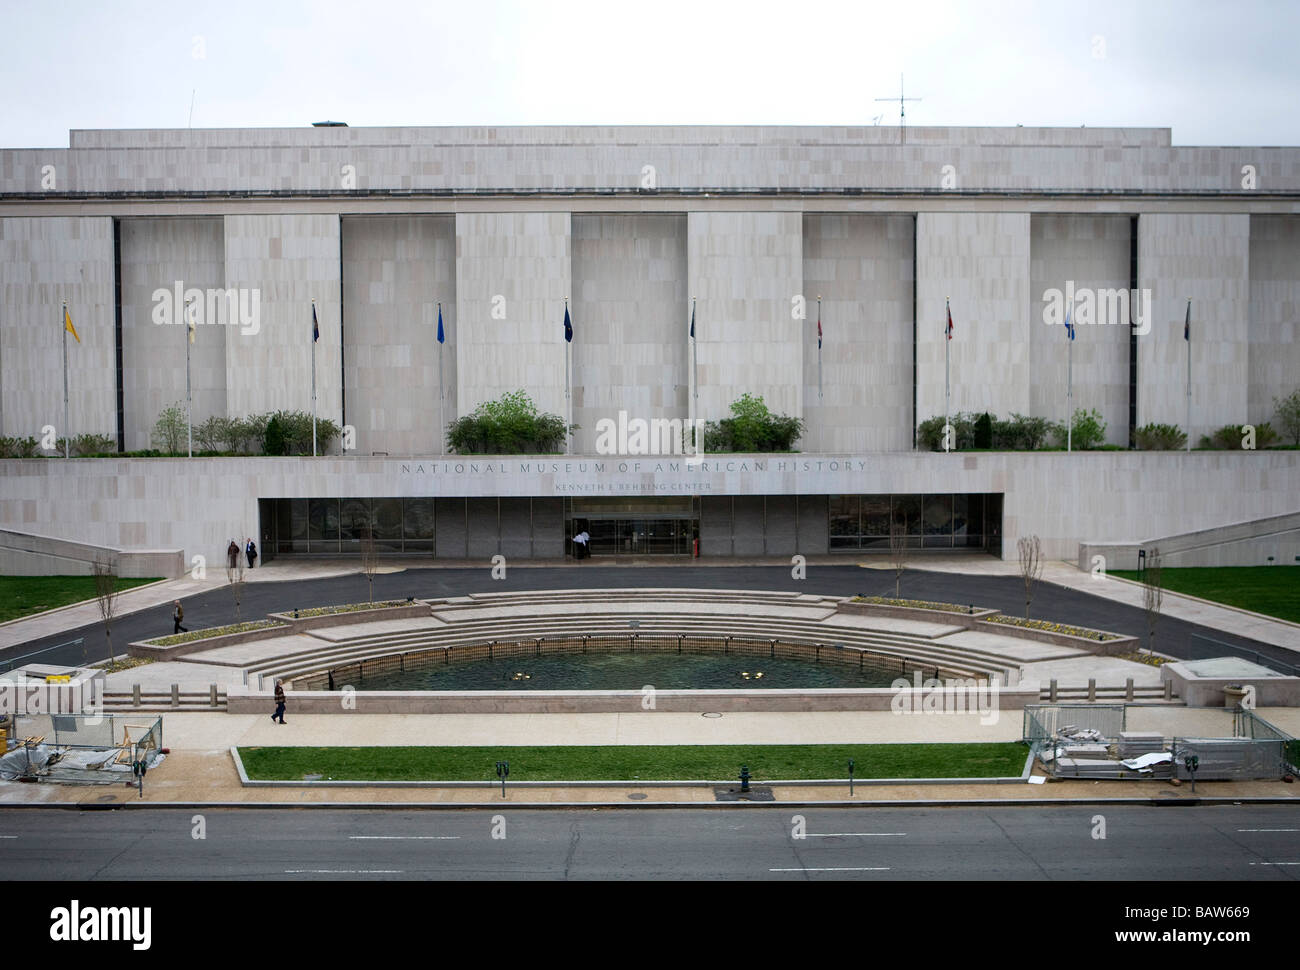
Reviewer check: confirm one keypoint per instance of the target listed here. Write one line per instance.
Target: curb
(247, 782)
(641, 806)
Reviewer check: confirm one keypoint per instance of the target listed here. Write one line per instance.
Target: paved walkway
(1065, 574)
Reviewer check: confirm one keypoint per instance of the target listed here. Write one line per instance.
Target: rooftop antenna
(902, 107)
(193, 91)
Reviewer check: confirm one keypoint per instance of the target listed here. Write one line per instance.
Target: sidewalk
(200, 770)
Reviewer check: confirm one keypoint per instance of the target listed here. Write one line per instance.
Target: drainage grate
(637, 796)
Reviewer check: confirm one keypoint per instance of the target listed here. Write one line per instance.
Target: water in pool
(628, 671)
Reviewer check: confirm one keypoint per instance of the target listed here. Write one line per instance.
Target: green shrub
(169, 430)
(213, 433)
(509, 425)
(1288, 415)
(1021, 433)
(1160, 437)
(930, 432)
(18, 447)
(1089, 430)
(984, 431)
(752, 428)
(1230, 437)
(275, 441)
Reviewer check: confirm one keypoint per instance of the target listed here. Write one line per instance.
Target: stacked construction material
(1134, 744)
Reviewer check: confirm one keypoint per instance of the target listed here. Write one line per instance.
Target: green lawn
(646, 763)
(24, 595)
(1274, 590)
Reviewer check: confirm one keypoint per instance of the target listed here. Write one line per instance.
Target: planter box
(1120, 644)
(967, 620)
(141, 648)
(327, 620)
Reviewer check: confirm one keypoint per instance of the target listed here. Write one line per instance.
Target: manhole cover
(710, 714)
(106, 798)
(637, 796)
(756, 793)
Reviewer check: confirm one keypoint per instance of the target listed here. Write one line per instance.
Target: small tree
(369, 555)
(1152, 594)
(106, 597)
(1031, 565)
(898, 551)
(169, 430)
(1288, 415)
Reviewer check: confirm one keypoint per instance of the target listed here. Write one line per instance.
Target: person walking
(250, 550)
(178, 614)
(232, 554)
(279, 702)
(580, 545)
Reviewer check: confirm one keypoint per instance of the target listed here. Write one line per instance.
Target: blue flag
(315, 327)
(1187, 324)
(1069, 327)
(442, 339)
(692, 321)
(568, 324)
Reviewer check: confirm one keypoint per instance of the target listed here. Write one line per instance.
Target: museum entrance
(650, 526)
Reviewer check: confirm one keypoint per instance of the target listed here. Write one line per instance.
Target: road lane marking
(1275, 863)
(335, 872)
(1268, 830)
(837, 869)
(392, 837)
(840, 835)
(8, 836)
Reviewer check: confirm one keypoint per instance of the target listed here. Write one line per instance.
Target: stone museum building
(816, 266)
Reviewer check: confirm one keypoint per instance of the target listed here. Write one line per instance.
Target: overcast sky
(1216, 73)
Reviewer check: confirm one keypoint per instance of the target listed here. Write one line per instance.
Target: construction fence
(81, 749)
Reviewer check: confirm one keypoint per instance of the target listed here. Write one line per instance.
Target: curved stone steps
(491, 628)
(921, 653)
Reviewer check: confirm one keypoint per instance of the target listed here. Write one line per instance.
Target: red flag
(949, 330)
(819, 326)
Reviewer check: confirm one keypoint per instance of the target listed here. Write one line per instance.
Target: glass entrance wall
(633, 526)
(940, 520)
(332, 526)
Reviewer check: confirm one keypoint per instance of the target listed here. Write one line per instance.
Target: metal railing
(1281, 666)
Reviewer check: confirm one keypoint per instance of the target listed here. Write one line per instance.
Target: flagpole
(947, 384)
(1069, 386)
(1188, 333)
(695, 384)
(63, 325)
(819, 348)
(315, 326)
(568, 398)
(189, 425)
(442, 418)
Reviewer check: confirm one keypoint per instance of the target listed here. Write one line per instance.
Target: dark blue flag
(1187, 324)
(315, 327)
(568, 324)
(692, 321)
(442, 339)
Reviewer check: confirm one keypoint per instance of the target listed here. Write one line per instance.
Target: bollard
(135, 695)
(1092, 689)
(1169, 690)
(212, 695)
(1128, 689)
(744, 778)
(176, 695)
(1051, 690)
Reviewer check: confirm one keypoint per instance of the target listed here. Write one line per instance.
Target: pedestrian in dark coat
(279, 702)
(178, 614)
(250, 550)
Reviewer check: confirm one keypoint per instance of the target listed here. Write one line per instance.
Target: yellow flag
(67, 324)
